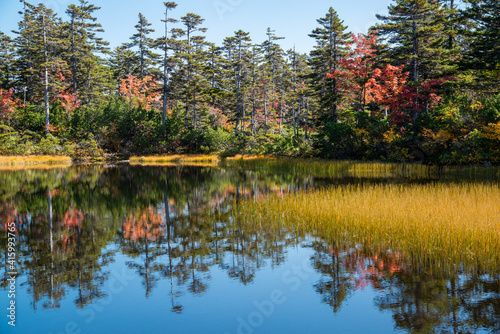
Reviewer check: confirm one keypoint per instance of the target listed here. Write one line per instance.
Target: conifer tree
(39, 46)
(416, 35)
(271, 67)
(7, 60)
(84, 44)
(331, 46)
(122, 62)
(483, 54)
(164, 44)
(236, 48)
(192, 52)
(144, 44)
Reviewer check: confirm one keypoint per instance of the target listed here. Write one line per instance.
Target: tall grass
(33, 160)
(177, 159)
(434, 225)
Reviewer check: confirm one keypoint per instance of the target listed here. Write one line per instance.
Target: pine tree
(122, 62)
(272, 68)
(332, 39)
(84, 45)
(415, 30)
(255, 59)
(236, 48)
(417, 36)
(483, 54)
(193, 55)
(164, 45)
(144, 44)
(39, 45)
(7, 60)
(24, 62)
(298, 93)
(218, 76)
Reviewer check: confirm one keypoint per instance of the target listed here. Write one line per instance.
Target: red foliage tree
(356, 69)
(144, 92)
(7, 103)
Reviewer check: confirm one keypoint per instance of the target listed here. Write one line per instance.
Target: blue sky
(292, 19)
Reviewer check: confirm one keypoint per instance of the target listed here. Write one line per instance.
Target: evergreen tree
(84, 45)
(24, 62)
(191, 51)
(332, 39)
(255, 59)
(7, 60)
(272, 68)
(218, 75)
(164, 44)
(122, 62)
(40, 67)
(144, 44)
(483, 54)
(298, 93)
(236, 48)
(415, 30)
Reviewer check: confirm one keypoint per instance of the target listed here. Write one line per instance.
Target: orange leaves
(7, 103)
(144, 92)
(8, 214)
(149, 225)
(73, 218)
(68, 102)
(386, 86)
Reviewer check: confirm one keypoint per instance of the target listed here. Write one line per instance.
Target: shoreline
(203, 160)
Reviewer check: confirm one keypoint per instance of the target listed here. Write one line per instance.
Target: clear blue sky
(292, 19)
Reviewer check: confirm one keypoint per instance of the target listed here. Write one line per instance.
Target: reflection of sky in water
(119, 267)
(223, 308)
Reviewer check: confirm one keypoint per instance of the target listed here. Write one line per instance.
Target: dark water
(124, 249)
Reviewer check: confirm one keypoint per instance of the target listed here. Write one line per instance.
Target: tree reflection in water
(174, 224)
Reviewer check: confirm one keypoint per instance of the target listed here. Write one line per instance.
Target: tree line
(422, 84)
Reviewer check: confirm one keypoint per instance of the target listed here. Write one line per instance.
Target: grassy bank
(435, 225)
(34, 160)
(176, 160)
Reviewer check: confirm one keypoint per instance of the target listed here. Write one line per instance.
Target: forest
(422, 85)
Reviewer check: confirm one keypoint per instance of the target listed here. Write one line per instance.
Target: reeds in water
(177, 160)
(33, 160)
(443, 225)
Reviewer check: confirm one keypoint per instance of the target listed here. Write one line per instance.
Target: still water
(136, 249)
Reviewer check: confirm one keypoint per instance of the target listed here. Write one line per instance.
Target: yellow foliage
(441, 136)
(492, 131)
(390, 136)
(476, 106)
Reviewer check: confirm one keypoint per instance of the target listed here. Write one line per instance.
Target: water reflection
(173, 224)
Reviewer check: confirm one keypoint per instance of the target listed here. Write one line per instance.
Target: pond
(166, 249)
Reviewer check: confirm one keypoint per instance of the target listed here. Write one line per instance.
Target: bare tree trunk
(253, 95)
(165, 75)
(238, 83)
(46, 78)
(75, 88)
(194, 109)
(307, 118)
(415, 65)
(265, 108)
(450, 37)
(281, 114)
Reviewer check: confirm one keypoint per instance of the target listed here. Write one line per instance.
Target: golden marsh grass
(177, 159)
(434, 225)
(34, 160)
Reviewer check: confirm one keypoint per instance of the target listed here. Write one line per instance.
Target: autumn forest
(420, 86)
